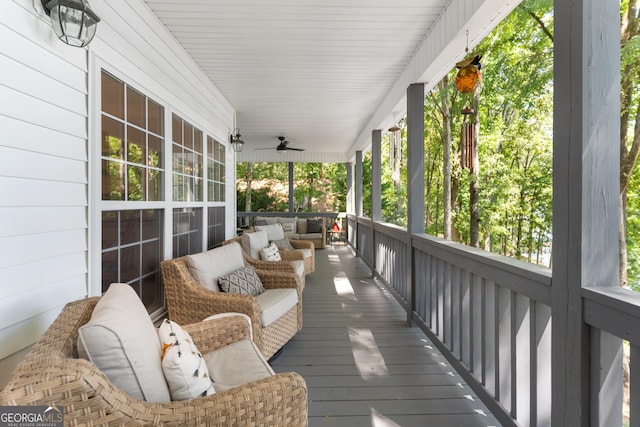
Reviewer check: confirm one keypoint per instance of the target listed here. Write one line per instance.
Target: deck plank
(364, 366)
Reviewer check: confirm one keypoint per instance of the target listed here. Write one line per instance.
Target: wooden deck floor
(363, 365)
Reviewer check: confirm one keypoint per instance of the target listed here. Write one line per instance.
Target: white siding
(48, 119)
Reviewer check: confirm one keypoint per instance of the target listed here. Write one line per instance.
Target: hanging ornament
(469, 76)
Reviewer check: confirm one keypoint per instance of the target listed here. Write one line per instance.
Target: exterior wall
(49, 119)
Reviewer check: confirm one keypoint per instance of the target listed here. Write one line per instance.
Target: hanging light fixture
(236, 141)
(73, 21)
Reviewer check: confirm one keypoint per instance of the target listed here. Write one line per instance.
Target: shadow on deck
(363, 365)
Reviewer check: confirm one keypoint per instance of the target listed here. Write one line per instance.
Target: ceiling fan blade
(295, 149)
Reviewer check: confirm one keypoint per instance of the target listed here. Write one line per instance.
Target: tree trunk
(628, 156)
(474, 185)
(247, 203)
(622, 242)
(443, 86)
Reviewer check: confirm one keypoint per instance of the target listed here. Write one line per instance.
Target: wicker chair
(51, 373)
(189, 302)
(287, 256)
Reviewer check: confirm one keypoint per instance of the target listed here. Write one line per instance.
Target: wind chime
(468, 79)
(466, 144)
(395, 149)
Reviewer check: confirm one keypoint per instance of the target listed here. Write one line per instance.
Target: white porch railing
(490, 315)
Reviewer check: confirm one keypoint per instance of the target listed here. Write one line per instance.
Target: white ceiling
(314, 71)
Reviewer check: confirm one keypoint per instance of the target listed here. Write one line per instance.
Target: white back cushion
(274, 231)
(207, 266)
(255, 242)
(122, 342)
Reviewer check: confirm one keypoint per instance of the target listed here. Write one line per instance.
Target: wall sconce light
(236, 141)
(73, 21)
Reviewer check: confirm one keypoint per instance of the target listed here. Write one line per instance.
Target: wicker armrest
(302, 244)
(216, 333)
(279, 266)
(291, 255)
(89, 398)
(275, 280)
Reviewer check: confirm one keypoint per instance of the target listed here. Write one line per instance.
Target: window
(132, 141)
(187, 231)
(131, 252)
(187, 161)
(215, 170)
(215, 225)
(152, 202)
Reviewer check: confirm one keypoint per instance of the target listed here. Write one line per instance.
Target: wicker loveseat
(298, 228)
(188, 301)
(52, 374)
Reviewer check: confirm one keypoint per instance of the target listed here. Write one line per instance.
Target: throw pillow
(288, 224)
(274, 231)
(184, 367)
(260, 222)
(283, 244)
(289, 227)
(270, 253)
(314, 226)
(242, 281)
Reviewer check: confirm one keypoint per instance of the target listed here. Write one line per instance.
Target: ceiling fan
(283, 146)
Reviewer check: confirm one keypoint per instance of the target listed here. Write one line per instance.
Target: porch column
(376, 175)
(358, 195)
(586, 364)
(349, 167)
(415, 181)
(415, 158)
(291, 188)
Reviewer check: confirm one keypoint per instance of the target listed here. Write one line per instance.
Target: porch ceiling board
(320, 73)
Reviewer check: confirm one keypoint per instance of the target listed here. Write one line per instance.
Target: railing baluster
(465, 318)
(523, 359)
(491, 330)
(634, 381)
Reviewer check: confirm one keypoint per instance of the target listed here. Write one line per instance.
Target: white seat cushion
(298, 264)
(207, 266)
(276, 302)
(122, 342)
(236, 364)
(306, 252)
(310, 236)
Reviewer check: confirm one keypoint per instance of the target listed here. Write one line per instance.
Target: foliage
(318, 187)
(515, 139)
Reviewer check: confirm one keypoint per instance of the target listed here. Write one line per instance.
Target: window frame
(96, 206)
